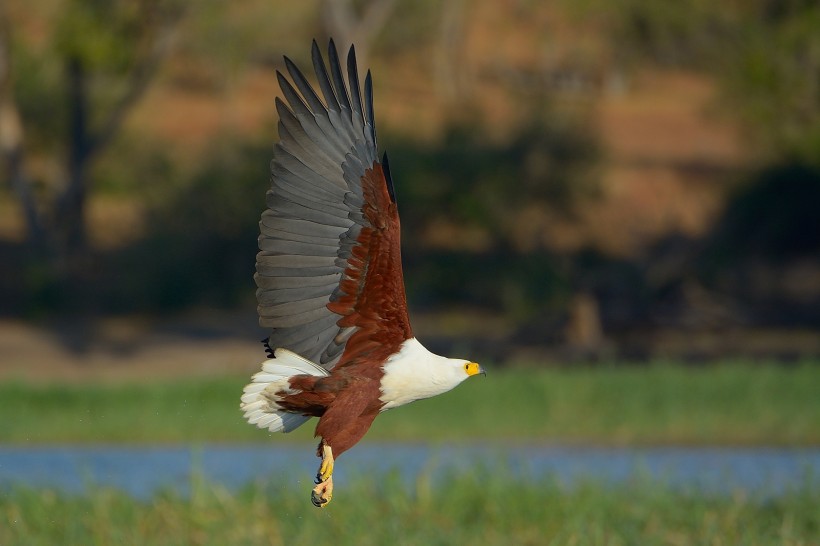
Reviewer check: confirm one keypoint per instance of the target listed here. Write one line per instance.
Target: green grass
(475, 509)
(730, 404)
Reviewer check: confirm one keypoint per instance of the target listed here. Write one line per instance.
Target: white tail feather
(259, 400)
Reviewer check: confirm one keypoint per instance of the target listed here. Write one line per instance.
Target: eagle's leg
(326, 467)
(323, 491)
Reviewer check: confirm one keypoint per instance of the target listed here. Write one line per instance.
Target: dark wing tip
(368, 104)
(336, 74)
(323, 78)
(353, 82)
(391, 190)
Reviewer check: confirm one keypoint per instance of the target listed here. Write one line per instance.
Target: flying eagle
(329, 275)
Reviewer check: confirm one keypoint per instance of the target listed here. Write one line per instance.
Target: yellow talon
(326, 468)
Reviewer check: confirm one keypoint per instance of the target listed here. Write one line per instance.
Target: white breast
(415, 373)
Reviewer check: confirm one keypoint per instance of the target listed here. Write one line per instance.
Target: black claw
(317, 502)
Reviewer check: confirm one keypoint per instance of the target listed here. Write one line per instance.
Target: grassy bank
(466, 509)
(660, 404)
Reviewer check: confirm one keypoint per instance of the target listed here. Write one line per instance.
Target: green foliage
(221, 39)
(467, 181)
(480, 507)
(476, 182)
(198, 247)
(776, 80)
(518, 285)
(101, 33)
(202, 237)
(661, 404)
(107, 38)
(765, 54)
(672, 33)
(200, 244)
(37, 87)
(148, 175)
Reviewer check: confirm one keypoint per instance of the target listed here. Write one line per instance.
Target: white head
(415, 373)
(458, 370)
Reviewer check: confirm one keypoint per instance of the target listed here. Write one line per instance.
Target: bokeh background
(578, 180)
(613, 205)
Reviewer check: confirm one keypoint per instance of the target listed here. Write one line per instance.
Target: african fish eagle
(329, 275)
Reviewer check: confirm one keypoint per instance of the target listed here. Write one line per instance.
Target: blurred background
(578, 180)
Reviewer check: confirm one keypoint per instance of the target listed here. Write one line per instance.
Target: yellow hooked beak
(474, 369)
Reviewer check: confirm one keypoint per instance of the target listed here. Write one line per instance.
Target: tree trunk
(57, 225)
(11, 145)
(584, 331)
(71, 205)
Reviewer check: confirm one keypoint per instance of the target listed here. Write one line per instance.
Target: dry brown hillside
(666, 147)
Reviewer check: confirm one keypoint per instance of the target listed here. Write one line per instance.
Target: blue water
(142, 471)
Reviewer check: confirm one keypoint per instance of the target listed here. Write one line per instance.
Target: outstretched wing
(328, 272)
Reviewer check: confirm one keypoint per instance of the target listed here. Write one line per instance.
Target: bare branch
(449, 70)
(374, 19)
(139, 80)
(338, 19)
(348, 27)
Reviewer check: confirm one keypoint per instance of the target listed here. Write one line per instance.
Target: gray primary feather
(327, 141)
